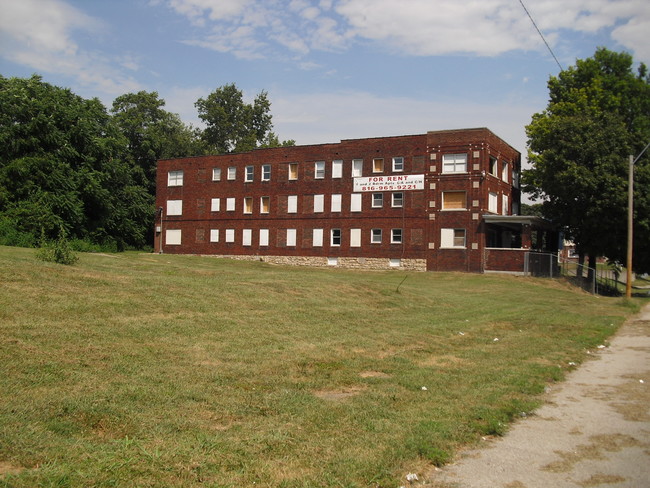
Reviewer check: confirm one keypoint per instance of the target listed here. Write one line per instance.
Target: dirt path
(594, 430)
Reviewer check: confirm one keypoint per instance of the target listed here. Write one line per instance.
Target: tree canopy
(68, 166)
(598, 114)
(235, 126)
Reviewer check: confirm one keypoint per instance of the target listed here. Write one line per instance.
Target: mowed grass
(157, 370)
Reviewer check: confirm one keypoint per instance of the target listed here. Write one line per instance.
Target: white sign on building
(389, 183)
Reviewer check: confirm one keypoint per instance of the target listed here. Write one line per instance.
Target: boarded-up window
(292, 204)
(264, 237)
(317, 238)
(200, 235)
(291, 237)
(454, 200)
(173, 237)
(174, 207)
(355, 237)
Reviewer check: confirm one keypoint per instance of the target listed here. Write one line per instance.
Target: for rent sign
(389, 183)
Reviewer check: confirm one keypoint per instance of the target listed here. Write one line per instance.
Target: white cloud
(39, 34)
(411, 27)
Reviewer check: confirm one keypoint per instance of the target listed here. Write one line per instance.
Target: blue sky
(334, 69)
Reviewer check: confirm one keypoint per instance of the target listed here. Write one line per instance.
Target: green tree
(598, 114)
(152, 133)
(233, 125)
(64, 167)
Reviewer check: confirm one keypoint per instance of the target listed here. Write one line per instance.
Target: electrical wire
(541, 35)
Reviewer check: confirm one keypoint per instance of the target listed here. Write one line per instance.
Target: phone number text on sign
(389, 183)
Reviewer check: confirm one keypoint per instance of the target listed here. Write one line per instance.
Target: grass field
(156, 370)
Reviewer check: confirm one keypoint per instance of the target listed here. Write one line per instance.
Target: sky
(333, 69)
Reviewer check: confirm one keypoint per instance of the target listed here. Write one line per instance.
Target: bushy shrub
(11, 236)
(58, 251)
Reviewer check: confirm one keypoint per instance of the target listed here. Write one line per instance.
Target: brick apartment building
(441, 201)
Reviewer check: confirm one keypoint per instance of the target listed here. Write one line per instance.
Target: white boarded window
(230, 235)
(247, 237)
(216, 174)
(173, 237)
(504, 205)
(291, 237)
(355, 202)
(214, 235)
(264, 237)
(336, 202)
(174, 207)
(292, 204)
(337, 168)
(319, 203)
(493, 203)
(395, 262)
(230, 204)
(319, 170)
(215, 204)
(355, 237)
(357, 167)
(175, 178)
(450, 238)
(317, 238)
(454, 163)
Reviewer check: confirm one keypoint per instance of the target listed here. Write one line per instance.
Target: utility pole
(630, 225)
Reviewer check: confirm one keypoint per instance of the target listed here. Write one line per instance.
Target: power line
(541, 35)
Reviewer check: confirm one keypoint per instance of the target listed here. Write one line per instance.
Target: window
(216, 174)
(357, 167)
(175, 178)
(215, 204)
(230, 235)
(332, 261)
(265, 204)
(247, 237)
(291, 237)
(378, 165)
(293, 171)
(266, 172)
(504, 205)
(454, 163)
(355, 237)
(336, 203)
(394, 262)
(214, 235)
(454, 200)
(375, 236)
(264, 237)
(335, 237)
(248, 205)
(396, 236)
(292, 204)
(250, 171)
(377, 200)
(319, 170)
(398, 164)
(452, 238)
(319, 203)
(398, 199)
(493, 166)
(232, 172)
(317, 237)
(504, 172)
(493, 205)
(337, 168)
(174, 207)
(173, 237)
(230, 204)
(355, 202)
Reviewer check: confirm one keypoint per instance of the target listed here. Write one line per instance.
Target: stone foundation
(339, 262)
